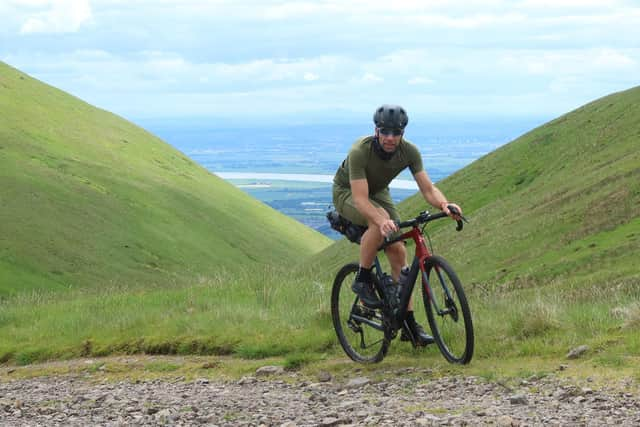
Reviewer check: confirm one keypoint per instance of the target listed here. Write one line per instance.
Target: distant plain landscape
(307, 156)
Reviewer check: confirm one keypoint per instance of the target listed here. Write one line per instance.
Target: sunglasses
(390, 132)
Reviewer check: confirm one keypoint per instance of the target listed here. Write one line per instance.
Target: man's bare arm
(432, 194)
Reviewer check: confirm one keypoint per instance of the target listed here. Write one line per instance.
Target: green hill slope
(562, 201)
(89, 199)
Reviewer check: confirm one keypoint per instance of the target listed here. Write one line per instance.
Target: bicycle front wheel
(360, 329)
(447, 311)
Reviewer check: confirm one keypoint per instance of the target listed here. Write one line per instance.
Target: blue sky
(155, 59)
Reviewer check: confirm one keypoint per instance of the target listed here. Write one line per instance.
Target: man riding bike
(361, 195)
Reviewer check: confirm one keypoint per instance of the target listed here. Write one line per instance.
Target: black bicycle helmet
(390, 116)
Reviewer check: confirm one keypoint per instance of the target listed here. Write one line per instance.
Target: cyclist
(361, 195)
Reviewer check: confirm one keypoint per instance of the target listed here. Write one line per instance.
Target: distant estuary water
(267, 178)
(291, 168)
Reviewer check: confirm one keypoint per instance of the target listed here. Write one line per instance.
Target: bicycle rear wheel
(359, 329)
(448, 311)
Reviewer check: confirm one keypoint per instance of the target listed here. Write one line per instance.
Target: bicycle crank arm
(371, 323)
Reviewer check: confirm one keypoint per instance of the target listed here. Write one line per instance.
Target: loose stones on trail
(357, 383)
(284, 399)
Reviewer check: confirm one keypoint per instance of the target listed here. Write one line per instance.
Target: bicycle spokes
(360, 329)
(441, 298)
(445, 289)
(363, 316)
(364, 345)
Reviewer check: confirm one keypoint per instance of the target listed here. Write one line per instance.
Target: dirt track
(287, 399)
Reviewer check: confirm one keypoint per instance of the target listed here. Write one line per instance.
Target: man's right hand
(387, 227)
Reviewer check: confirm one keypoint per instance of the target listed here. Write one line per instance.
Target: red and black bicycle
(365, 334)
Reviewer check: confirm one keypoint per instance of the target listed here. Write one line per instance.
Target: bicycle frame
(417, 265)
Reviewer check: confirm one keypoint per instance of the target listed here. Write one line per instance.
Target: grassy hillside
(89, 199)
(562, 201)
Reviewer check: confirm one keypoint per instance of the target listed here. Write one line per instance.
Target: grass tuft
(161, 366)
(632, 317)
(535, 320)
(260, 351)
(296, 361)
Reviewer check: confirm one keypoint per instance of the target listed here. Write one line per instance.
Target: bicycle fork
(451, 308)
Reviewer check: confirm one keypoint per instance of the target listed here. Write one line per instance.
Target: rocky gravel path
(275, 398)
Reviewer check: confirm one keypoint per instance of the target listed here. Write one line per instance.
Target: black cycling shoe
(367, 294)
(421, 337)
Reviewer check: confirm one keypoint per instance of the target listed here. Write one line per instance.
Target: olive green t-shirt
(363, 162)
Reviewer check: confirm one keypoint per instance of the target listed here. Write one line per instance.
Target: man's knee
(396, 250)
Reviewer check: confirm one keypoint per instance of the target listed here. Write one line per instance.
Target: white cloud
(30, 3)
(609, 19)
(466, 22)
(169, 71)
(311, 77)
(295, 10)
(274, 70)
(534, 66)
(371, 78)
(562, 85)
(93, 55)
(317, 51)
(569, 62)
(609, 58)
(376, 9)
(419, 81)
(59, 16)
(566, 4)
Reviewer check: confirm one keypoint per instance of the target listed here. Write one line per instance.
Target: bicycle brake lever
(459, 222)
(455, 211)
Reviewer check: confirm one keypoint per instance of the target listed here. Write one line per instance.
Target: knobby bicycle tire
(362, 342)
(452, 326)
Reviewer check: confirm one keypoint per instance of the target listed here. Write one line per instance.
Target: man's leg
(397, 255)
(369, 244)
